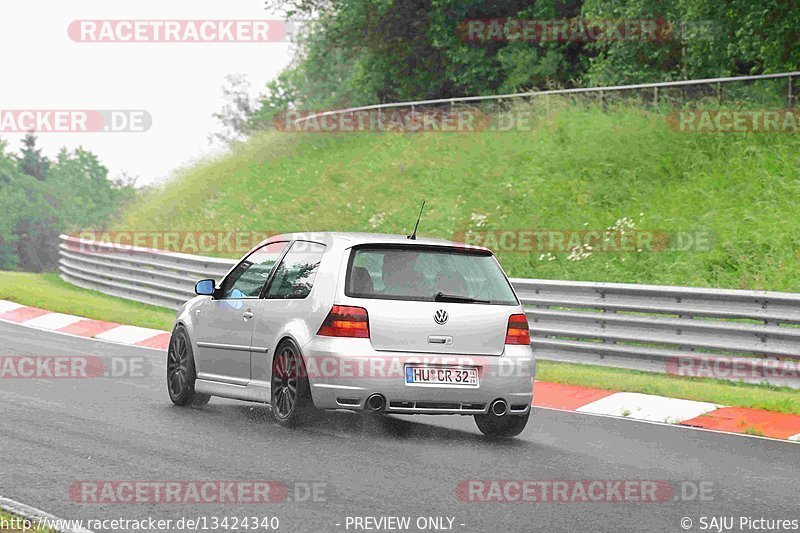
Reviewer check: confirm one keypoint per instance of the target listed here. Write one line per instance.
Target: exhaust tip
(499, 407)
(375, 402)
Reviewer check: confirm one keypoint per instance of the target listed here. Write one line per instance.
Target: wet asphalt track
(56, 432)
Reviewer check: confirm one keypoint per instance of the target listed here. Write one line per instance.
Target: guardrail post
(789, 95)
(655, 98)
(607, 311)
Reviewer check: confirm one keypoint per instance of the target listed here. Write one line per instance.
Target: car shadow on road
(356, 425)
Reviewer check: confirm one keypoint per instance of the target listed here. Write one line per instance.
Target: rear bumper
(344, 372)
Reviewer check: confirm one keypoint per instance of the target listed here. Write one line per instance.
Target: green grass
(50, 292)
(579, 169)
(732, 394)
(6, 516)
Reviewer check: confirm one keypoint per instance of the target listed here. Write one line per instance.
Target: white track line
(6, 306)
(34, 514)
(648, 407)
(677, 426)
(52, 321)
(56, 332)
(128, 334)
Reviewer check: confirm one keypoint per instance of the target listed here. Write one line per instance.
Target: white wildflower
(478, 219)
(376, 219)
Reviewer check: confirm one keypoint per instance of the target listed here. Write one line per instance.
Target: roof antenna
(413, 236)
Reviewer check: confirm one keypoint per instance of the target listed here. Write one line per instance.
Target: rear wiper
(442, 297)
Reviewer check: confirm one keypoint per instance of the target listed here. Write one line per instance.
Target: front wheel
(504, 426)
(290, 396)
(181, 371)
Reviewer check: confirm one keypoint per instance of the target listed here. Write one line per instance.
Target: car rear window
(427, 274)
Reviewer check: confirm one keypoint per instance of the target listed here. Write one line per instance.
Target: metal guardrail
(748, 335)
(790, 96)
(754, 335)
(144, 275)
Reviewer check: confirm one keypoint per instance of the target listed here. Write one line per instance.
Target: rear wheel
(290, 397)
(181, 371)
(500, 427)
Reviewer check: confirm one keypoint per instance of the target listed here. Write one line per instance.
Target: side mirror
(204, 287)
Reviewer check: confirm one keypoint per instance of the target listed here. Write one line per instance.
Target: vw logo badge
(440, 316)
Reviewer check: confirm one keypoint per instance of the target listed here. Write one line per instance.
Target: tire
(501, 427)
(290, 394)
(181, 371)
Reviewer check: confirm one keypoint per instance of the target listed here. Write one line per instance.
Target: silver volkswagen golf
(365, 322)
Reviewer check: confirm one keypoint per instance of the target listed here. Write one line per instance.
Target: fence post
(719, 93)
(602, 102)
(655, 98)
(790, 96)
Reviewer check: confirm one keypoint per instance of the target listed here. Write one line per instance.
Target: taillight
(345, 321)
(518, 332)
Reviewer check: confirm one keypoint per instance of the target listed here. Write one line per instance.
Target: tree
(31, 160)
(236, 111)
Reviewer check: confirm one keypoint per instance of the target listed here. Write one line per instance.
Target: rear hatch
(432, 299)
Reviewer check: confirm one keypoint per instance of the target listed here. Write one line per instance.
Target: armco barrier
(748, 335)
(141, 274)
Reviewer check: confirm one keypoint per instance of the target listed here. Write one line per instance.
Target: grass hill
(578, 169)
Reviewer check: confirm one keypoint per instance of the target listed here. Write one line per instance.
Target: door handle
(248, 315)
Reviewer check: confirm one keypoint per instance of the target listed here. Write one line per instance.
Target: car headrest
(361, 281)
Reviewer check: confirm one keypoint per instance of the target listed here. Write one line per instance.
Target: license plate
(441, 375)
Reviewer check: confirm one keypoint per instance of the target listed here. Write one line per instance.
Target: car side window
(248, 278)
(295, 275)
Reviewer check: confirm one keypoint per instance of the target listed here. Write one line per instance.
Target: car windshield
(427, 274)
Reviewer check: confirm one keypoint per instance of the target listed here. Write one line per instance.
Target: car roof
(357, 238)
